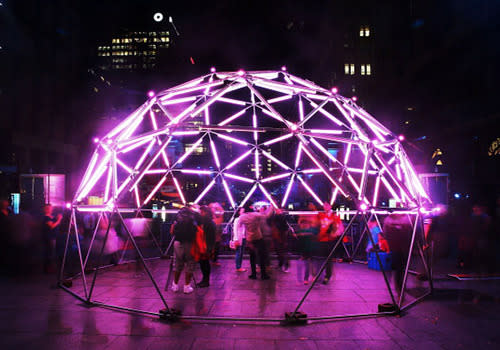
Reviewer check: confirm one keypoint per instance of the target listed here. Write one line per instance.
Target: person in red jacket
(330, 228)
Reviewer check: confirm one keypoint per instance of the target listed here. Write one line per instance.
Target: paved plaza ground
(36, 315)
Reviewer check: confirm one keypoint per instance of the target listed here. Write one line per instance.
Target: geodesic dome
(240, 136)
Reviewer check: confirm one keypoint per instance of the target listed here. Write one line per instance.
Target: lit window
(346, 68)
(364, 31)
(362, 69)
(366, 69)
(351, 71)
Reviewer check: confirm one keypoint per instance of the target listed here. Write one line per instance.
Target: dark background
(434, 72)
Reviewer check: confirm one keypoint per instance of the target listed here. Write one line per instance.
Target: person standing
(330, 228)
(208, 226)
(218, 217)
(307, 238)
(50, 232)
(252, 221)
(239, 241)
(279, 231)
(184, 231)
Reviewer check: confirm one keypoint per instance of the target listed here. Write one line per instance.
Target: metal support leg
(92, 240)
(84, 279)
(63, 263)
(403, 287)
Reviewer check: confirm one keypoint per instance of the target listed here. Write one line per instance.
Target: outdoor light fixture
(95, 139)
(335, 90)
(401, 137)
(158, 17)
(151, 93)
(283, 68)
(212, 69)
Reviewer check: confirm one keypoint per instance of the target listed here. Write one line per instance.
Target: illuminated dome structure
(240, 137)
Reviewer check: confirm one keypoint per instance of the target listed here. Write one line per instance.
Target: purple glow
(335, 90)
(354, 98)
(212, 69)
(68, 205)
(363, 206)
(96, 140)
(151, 93)
(241, 72)
(283, 68)
(401, 137)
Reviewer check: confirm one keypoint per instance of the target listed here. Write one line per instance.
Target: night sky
(439, 59)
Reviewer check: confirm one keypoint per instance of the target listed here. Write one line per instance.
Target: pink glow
(268, 196)
(232, 139)
(151, 93)
(335, 90)
(228, 193)
(179, 190)
(283, 68)
(178, 100)
(241, 72)
(231, 118)
(328, 115)
(182, 133)
(293, 127)
(354, 98)
(401, 137)
(214, 153)
(189, 151)
(232, 101)
(249, 194)
(309, 189)
(240, 178)
(363, 206)
(279, 99)
(96, 140)
(278, 139)
(153, 192)
(137, 199)
(202, 194)
(256, 165)
(275, 177)
(277, 161)
(240, 158)
(196, 171)
(68, 205)
(299, 152)
(287, 192)
(212, 69)
(375, 192)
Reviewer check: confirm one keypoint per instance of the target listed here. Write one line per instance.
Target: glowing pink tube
(179, 189)
(93, 179)
(299, 152)
(287, 79)
(252, 190)
(301, 109)
(202, 194)
(108, 182)
(130, 130)
(144, 154)
(176, 92)
(347, 153)
(268, 196)
(153, 119)
(275, 177)
(124, 166)
(207, 117)
(195, 171)
(278, 139)
(90, 168)
(92, 209)
(334, 195)
(254, 123)
(240, 178)
(231, 118)
(232, 139)
(271, 114)
(237, 160)
(326, 131)
(207, 90)
(277, 161)
(364, 175)
(137, 199)
(309, 189)
(178, 100)
(134, 146)
(311, 171)
(279, 99)
(156, 171)
(256, 164)
(327, 114)
(306, 83)
(214, 153)
(228, 193)
(123, 185)
(182, 133)
(375, 192)
(189, 151)
(232, 101)
(353, 182)
(287, 192)
(182, 114)
(390, 189)
(155, 189)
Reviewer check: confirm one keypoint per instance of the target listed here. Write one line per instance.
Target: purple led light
(151, 93)
(212, 69)
(283, 68)
(401, 137)
(96, 140)
(68, 205)
(363, 206)
(354, 98)
(241, 72)
(335, 90)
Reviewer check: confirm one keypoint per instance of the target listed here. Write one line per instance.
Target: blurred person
(279, 231)
(239, 241)
(218, 217)
(5, 234)
(184, 231)
(254, 223)
(379, 242)
(307, 239)
(50, 233)
(398, 230)
(330, 229)
(208, 225)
